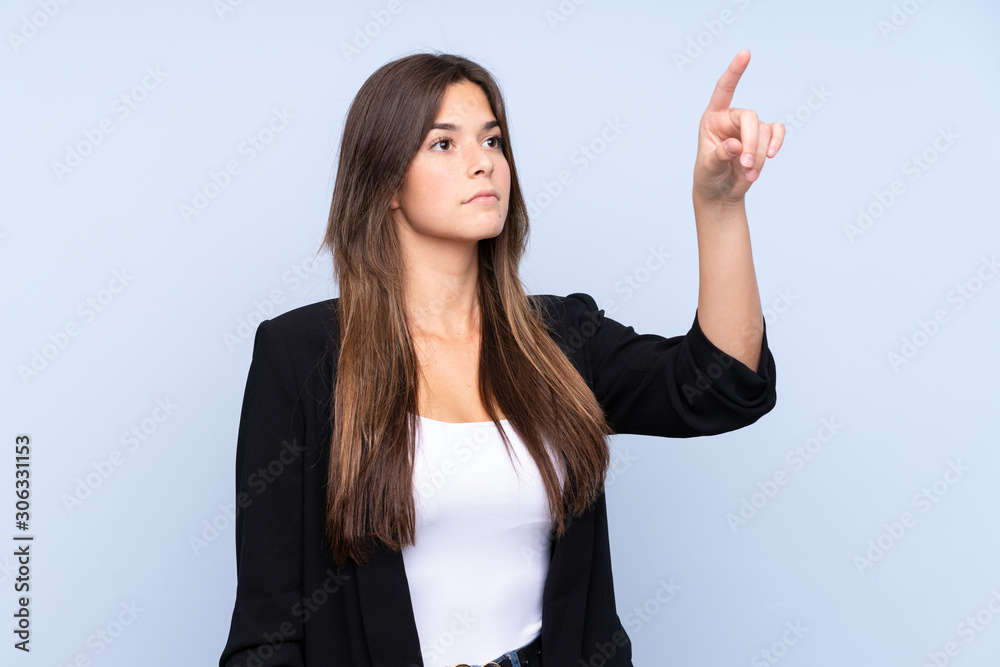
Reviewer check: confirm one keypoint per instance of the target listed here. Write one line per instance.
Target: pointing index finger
(722, 96)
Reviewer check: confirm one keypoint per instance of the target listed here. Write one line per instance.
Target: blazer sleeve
(269, 530)
(681, 386)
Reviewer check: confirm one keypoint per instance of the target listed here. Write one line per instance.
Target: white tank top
(478, 566)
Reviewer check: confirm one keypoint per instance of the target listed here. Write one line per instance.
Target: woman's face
(461, 156)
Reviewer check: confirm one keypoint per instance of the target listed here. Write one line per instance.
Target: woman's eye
(496, 141)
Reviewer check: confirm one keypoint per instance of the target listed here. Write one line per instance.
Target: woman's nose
(479, 159)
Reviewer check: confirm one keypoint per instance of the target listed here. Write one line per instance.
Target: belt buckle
(488, 664)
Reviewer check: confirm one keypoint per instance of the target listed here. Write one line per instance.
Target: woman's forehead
(464, 101)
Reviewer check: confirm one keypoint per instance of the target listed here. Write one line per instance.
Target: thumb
(727, 151)
(718, 159)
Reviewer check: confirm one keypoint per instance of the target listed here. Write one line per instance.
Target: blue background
(866, 89)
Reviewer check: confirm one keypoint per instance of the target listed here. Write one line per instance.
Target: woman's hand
(732, 143)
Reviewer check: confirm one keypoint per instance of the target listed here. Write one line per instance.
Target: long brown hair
(522, 371)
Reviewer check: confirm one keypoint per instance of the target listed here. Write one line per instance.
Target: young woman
(420, 462)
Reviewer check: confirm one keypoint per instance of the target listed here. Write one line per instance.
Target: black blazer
(294, 607)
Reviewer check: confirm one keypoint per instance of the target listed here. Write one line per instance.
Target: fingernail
(747, 160)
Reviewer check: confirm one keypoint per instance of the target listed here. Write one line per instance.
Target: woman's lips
(483, 199)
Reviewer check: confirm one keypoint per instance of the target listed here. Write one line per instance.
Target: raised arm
(732, 147)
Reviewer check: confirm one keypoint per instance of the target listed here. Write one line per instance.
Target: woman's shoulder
(561, 306)
(306, 332)
(322, 314)
(569, 311)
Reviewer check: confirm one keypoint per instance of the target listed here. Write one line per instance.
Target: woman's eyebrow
(451, 127)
